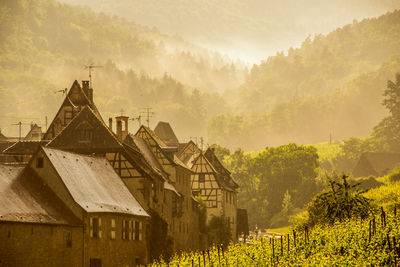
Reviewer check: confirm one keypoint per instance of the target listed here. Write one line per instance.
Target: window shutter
(123, 229)
(134, 230)
(100, 232)
(140, 231)
(130, 230)
(91, 227)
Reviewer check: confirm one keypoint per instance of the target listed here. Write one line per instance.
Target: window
(67, 116)
(95, 228)
(68, 239)
(201, 178)
(112, 233)
(39, 162)
(95, 262)
(138, 231)
(125, 229)
(85, 132)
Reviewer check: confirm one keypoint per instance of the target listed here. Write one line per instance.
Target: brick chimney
(87, 90)
(122, 127)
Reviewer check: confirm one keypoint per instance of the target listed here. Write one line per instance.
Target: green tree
(387, 131)
(341, 201)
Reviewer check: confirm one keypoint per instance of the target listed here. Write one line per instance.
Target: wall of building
(25, 244)
(115, 251)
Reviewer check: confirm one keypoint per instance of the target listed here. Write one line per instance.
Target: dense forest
(335, 79)
(45, 46)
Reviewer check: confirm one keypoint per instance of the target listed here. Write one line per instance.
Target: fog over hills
(250, 30)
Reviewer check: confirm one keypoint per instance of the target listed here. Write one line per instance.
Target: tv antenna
(148, 113)
(90, 67)
(139, 119)
(63, 91)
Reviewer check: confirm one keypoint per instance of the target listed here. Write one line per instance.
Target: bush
(342, 201)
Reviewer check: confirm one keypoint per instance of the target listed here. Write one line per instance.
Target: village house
(184, 226)
(114, 222)
(36, 227)
(212, 181)
(127, 198)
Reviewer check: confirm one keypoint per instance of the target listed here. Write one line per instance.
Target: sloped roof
(210, 155)
(375, 163)
(5, 145)
(148, 154)
(165, 132)
(2, 137)
(75, 97)
(24, 147)
(23, 198)
(103, 138)
(93, 183)
(164, 148)
(33, 127)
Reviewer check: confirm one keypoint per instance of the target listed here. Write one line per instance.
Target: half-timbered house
(184, 224)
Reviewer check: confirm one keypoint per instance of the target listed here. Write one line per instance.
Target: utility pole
(90, 67)
(46, 122)
(148, 113)
(19, 128)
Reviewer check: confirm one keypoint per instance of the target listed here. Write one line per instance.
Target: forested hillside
(251, 30)
(331, 85)
(45, 45)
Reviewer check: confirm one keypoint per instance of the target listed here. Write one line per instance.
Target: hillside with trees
(331, 85)
(45, 45)
(250, 30)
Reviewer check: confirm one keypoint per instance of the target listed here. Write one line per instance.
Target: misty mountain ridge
(331, 84)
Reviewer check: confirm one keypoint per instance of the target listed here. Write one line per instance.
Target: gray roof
(24, 147)
(93, 183)
(165, 132)
(24, 198)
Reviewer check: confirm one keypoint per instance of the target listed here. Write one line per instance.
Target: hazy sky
(250, 30)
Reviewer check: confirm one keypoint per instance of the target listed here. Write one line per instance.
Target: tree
(342, 201)
(387, 131)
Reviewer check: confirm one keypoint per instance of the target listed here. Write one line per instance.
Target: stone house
(114, 224)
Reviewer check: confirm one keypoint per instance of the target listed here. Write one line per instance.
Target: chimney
(110, 123)
(87, 90)
(122, 130)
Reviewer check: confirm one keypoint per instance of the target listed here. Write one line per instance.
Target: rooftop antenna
(139, 119)
(63, 91)
(148, 113)
(90, 67)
